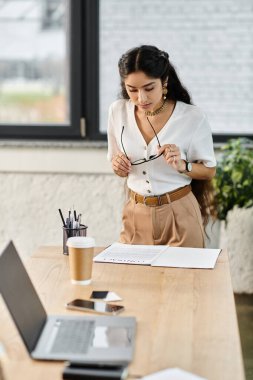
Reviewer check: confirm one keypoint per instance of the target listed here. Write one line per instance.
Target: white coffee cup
(81, 252)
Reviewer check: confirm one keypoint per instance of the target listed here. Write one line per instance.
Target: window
(48, 62)
(58, 61)
(209, 42)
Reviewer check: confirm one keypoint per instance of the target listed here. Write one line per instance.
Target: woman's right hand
(121, 165)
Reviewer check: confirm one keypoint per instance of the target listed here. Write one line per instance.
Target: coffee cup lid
(81, 242)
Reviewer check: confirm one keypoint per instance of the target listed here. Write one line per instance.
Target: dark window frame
(90, 68)
(224, 137)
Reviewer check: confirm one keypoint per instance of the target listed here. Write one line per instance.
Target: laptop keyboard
(73, 336)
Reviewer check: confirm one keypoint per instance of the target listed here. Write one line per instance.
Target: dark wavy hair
(155, 63)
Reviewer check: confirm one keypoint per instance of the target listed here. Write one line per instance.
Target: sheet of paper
(130, 254)
(173, 374)
(178, 257)
(111, 296)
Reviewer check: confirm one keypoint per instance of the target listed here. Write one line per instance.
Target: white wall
(38, 178)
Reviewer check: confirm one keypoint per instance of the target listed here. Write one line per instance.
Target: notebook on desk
(88, 339)
(159, 256)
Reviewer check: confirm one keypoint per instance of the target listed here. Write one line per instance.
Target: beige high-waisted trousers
(178, 223)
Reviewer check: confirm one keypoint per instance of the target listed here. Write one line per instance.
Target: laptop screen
(20, 297)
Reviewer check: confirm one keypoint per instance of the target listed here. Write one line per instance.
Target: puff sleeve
(111, 138)
(201, 145)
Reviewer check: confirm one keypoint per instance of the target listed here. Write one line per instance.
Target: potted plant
(233, 186)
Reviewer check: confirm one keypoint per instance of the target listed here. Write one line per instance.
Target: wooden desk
(185, 318)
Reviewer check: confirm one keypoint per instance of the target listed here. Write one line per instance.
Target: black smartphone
(94, 306)
(99, 294)
(93, 371)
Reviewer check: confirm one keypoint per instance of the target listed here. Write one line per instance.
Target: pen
(75, 224)
(63, 221)
(67, 222)
(79, 219)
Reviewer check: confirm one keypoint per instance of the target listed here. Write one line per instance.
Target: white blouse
(187, 127)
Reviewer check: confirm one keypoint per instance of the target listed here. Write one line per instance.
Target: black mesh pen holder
(70, 232)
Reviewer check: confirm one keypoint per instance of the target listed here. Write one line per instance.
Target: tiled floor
(244, 307)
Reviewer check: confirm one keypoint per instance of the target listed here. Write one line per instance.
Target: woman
(163, 145)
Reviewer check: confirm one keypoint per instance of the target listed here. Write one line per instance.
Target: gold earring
(165, 91)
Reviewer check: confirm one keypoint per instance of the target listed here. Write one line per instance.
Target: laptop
(86, 339)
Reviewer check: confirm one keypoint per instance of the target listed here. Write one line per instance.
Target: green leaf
(233, 183)
(236, 175)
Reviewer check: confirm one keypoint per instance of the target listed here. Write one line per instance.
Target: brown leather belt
(159, 200)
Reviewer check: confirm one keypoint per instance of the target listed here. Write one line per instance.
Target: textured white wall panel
(29, 207)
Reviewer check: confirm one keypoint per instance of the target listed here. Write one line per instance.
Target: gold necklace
(158, 110)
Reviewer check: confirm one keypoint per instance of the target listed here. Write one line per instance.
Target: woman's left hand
(172, 155)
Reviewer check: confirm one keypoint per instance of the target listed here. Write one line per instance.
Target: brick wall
(210, 42)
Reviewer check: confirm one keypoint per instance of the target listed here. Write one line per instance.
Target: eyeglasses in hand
(142, 160)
